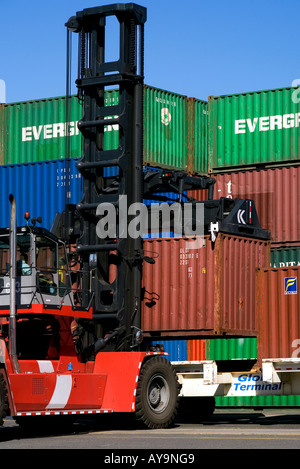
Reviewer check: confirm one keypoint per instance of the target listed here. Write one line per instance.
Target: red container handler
(202, 290)
(278, 313)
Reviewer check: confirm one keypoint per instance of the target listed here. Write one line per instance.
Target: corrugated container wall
(197, 136)
(175, 130)
(196, 349)
(37, 130)
(231, 349)
(58, 181)
(258, 401)
(177, 349)
(165, 129)
(111, 132)
(1, 132)
(196, 290)
(39, 188)
(254, 128)
(285, 257)
(278, 307)
(276, 193)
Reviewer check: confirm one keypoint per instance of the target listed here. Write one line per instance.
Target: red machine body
(68, 387)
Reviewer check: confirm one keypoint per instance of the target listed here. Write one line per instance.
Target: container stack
(40, 145)
(254, 152)
(248, 142)
(41, 139)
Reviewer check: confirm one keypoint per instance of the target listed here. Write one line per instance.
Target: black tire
(3, 399)
(157, 393)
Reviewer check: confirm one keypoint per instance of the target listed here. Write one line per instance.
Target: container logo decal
(262, 124)
(249, 384)
(49, 131)
(290, 286)
(165, 116)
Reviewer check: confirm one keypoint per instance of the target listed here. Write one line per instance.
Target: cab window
(46, 263)
(23, 257)
(46, 254)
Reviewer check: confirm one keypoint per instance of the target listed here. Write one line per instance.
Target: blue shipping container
(40, 188)
(177, 349)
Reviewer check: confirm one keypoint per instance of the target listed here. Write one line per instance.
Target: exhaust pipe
(12, 311)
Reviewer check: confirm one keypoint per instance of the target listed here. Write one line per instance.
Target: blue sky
(193, 47)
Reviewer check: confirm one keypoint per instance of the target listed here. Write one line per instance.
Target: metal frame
(278, 376)
(117, 303)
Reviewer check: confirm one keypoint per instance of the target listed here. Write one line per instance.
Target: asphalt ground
(116, 436)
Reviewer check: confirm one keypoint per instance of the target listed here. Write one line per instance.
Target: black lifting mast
(116, 289)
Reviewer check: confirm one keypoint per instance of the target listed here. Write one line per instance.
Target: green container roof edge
(36, 100)
(166, 91)
(245, 93)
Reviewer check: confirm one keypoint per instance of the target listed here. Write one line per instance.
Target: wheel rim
(158, 393)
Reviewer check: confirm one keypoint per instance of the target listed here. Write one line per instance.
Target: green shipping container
(175, 130)
(37, 130)
(251, 129)
(285, 257)
(258, 401)
(1, 132)
(197, 138)
(165, 129)
(231, 349)
(111, 132)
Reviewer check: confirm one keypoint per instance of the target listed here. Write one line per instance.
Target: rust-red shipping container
(276, 193)
(278, 313)
(209, 290)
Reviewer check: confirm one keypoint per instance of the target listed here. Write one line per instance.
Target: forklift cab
(42, 274)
